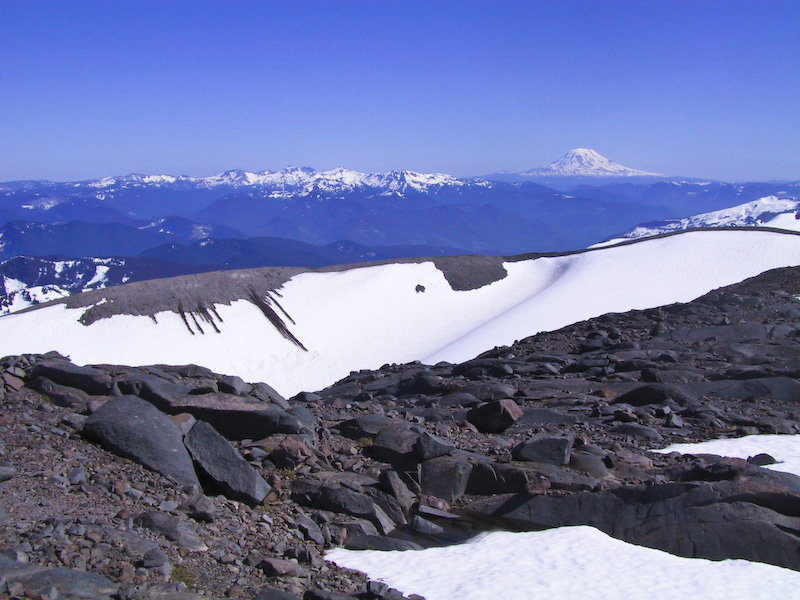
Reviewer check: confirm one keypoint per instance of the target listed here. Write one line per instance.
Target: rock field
(173, 482)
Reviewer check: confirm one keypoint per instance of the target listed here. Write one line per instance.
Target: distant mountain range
(300, 217)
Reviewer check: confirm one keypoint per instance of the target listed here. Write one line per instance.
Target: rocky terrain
(176, 482)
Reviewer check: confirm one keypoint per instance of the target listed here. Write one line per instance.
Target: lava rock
(220, 461)
(135, 429)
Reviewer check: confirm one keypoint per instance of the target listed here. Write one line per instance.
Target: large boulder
(135, 429)
(222, 463)
(445, 477)
(545, 448)
(90, 380)
(494, 417)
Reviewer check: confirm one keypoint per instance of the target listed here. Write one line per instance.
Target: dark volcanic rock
(90, 380)
(445, 477)
(543, 448)
(394, 442)
(172, 528)
(220, 461)
(340, 499)
(494, 417)
(135, 429)
(67, 583)
(715, 520)
(653, 393)
(429, 446)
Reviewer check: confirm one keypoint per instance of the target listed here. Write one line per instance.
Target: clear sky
(697, 88)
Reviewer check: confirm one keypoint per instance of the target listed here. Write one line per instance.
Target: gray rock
(337, 498)
(445, 477)
(366, 426)
(653, 393)
(90, 380)
(394, 442)
(494, 417)
(394, 485)
(717, 519)
(424, 526)
(171, 527)
(429, 446)
(154, 557)
(135, 429)
(544, 448)
(66, 582)
(276, 567)
(61, 395)
(268, 593)
(320, 594)
(310, 529)
(638, 430)
(491, 391)
(7, 470)
(231, 384)
(378, 542)
(220, 461)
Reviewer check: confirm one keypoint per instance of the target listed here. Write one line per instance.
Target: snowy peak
(584, 162)
(290, 181)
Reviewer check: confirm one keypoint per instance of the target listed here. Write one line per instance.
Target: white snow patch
(783, 448)
(770, 211)
(568, 562)
(365, 317)
(100, 278)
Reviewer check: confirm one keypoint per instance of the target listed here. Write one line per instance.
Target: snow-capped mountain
(771, 211)
(581, 166)
(585, 162)
(304, 330)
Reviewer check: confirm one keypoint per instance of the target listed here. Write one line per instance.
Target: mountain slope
(304, 330)
(26, 281)
(779, 213)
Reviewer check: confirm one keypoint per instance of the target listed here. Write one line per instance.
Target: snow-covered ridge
(584, 162)
(770, 211)
(394, 313)
(295, 181)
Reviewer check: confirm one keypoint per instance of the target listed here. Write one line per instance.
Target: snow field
(365, 317)
(783, 448)
(582, 562)
(568, 562)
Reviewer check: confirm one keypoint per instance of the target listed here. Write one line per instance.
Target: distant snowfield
(582, 562)
(770, 211)
(365, 317)
(568, 562)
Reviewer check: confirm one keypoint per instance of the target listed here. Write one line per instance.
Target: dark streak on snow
(264, 304)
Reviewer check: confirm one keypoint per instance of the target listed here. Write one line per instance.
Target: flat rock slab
(90, 380)
(220, 461)
(235, 418)
(69, 583)
(134, 428)
(694, 518)
(544, 448)
(173, 528)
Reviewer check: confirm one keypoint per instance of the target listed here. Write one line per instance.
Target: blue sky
(695, 88)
